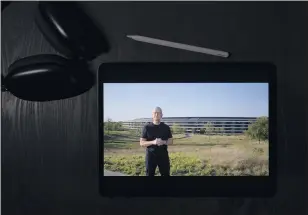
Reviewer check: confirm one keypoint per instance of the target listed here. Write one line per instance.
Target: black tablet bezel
(194, 186)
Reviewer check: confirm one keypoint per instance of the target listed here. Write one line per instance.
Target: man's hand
(160, 142)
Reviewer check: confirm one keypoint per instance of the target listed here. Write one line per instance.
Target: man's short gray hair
(157, 109)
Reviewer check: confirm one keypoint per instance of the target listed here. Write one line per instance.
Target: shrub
(182, 165)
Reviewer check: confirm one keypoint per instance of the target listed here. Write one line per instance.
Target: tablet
(210, 128)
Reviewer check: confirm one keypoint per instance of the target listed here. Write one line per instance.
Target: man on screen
(156, 136)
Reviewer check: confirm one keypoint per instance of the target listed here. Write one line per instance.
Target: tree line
(208, 128)
(113, 126)
(257, 130)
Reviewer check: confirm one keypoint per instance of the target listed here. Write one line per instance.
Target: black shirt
(151, 132)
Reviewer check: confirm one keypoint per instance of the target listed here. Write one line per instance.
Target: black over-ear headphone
(50, 77)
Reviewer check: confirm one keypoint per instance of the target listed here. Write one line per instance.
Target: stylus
(179, 46)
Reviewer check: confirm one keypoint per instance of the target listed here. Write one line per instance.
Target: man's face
(157, 115)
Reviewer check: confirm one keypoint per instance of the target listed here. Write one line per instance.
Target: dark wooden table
(49, 150)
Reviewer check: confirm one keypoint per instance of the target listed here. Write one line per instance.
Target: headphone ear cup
(48, 77)
(70, 31)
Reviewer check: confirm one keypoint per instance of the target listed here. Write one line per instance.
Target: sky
(128, 101)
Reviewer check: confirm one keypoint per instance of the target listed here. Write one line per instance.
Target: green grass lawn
(198, 155)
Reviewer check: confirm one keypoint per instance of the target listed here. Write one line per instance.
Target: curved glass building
(225, 125)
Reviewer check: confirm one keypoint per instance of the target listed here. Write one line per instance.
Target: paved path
(110, 173)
